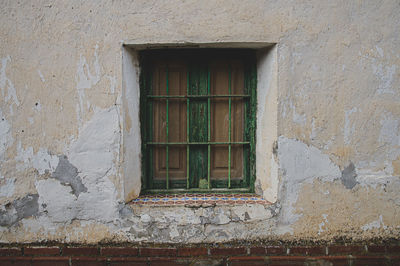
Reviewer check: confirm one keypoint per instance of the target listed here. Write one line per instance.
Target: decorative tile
(199, 199)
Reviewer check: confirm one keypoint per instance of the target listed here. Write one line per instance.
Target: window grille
(188, 98)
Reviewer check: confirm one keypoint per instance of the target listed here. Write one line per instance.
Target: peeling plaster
(19, 209)
(85, 80)
(42, 161)
(349, 176)
(8, 188)
(300, 164)
(6, 139)
(67, 174)
(323, 223)
(5, 82)
(374, 224)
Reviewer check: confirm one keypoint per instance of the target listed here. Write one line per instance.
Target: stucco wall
(337, 140)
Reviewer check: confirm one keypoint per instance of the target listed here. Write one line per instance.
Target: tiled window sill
(199, 199)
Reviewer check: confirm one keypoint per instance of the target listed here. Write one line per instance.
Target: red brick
(335, 260)
(80, 251)
(167, 262)
(192, 252)
(287, 258)
(258, 250)
(50, 261)
(246, 260)
(43, 251)
(10, 252)
(307, 250)
(368, 260)
(276, 250)
(346, 250)
(15, 261)
(228, 251)
(85, 261)
(395, 260)
(128, 261)
(154, 252)
(376, 249)
(117, 251)
(393, 249)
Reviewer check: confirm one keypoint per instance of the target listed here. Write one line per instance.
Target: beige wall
(64, 123)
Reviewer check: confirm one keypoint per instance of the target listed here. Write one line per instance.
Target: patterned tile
(199, 199)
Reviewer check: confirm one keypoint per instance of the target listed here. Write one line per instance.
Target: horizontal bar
(199, 143)
(206, 190)
(198, 96)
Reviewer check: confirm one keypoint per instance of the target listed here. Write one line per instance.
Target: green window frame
(199, 102)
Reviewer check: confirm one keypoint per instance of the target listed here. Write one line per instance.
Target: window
(197, 111)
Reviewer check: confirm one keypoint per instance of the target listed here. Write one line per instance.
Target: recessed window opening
(198, 119)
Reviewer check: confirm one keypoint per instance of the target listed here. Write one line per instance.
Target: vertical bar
(167, 147)
(230, 123)
(187, 130)
(209, 129)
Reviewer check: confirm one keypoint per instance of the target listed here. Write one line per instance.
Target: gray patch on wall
(349, 176)
(19, 209)
(67, 174)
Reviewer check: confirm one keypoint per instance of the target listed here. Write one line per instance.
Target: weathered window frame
(249, 99)
(267, 172)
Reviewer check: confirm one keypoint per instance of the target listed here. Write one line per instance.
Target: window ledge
(200, 200)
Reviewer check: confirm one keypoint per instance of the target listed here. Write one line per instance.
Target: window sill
(199, 200)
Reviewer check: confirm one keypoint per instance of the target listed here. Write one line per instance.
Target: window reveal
(198, 120)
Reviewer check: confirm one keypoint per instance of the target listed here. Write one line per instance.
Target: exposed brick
(42, 251)
(335, 260)
(393, 249)
(10, 252)
(369, 260)
(247, 260)
(192, 252)
(228, 251)
(307, 250)
(275, 250)
(127, 261)
(50, 261)
(287, 258)
(346, 250)
(154, 252)
(87, 261)
(394, 260)
(167, 262)
(376, 249)
(80, 251)
(258, 250)
(116, 251)
(15, 261)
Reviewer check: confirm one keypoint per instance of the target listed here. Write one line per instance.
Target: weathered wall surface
(62, 119)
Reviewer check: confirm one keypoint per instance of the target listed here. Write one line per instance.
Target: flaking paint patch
(6, 139)
(42, 161)
(300, 164)
(5, 82)
(67, 174)
(349, 176)
(374, 224)
(19, 209)
(7, 188)
(85, 80)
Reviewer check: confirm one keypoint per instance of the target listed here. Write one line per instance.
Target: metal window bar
(209, 129)
(187, 131)
(198, 96)
(230, 123)
(200, 143)
(208, 142)
(167, 147)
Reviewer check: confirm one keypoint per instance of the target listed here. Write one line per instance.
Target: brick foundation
(202, 255)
